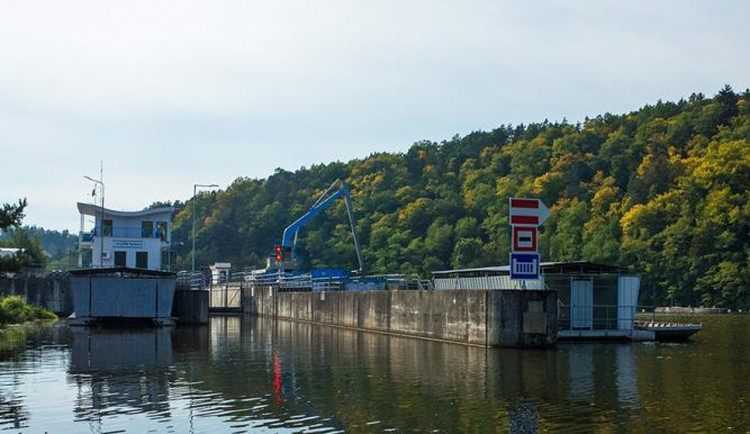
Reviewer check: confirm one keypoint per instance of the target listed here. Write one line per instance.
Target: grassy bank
(14, 310)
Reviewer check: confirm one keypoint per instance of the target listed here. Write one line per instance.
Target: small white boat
(669, 331)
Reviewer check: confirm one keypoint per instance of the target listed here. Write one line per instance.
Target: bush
(13, 309)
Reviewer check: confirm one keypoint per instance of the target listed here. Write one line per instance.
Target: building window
(147, 229)
(161, 231)
(107, 228)
(120, 259)
(141, 259)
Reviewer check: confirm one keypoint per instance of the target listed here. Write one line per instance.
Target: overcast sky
(173, 93)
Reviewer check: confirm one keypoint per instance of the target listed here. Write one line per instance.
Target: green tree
(31, 253)
(12, 214)
(468, 253)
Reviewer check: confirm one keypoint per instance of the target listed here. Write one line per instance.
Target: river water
(247, 374)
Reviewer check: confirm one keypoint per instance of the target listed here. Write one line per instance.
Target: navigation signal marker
(524, 266)
(525, 217)
(524, 238)
(527, 212)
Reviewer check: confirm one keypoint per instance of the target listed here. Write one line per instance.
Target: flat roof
(94, 210)
(123, 271)
(546, 267)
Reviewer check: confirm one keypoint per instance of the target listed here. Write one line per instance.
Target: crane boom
(289, 238)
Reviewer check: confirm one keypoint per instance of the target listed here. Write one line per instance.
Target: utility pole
(100, 181)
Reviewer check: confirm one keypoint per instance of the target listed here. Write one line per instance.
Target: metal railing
(190, 279)
(595, 317)
(296, 282)
(404, 281)
(306, 282)
(123, 233)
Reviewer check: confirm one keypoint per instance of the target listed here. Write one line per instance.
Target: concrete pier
(492, 318)
(190, 306)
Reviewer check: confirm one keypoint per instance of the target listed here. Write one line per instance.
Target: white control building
(133, 239)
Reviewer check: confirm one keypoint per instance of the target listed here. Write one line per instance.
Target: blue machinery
(289, 240)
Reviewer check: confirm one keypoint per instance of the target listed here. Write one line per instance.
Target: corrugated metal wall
(627, 300)
(486, 283)
(110, 296)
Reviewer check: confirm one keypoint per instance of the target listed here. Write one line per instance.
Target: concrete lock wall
(190, 306)
(52, 293)
(496, 318)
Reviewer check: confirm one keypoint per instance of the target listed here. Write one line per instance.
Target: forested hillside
(43, 247)
(663, 190)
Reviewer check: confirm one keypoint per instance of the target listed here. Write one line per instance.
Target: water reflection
(16, 365)
(121, 371)
(245, 374)
(396, 382)
(12, 412)
(373, 382)
(626, 375)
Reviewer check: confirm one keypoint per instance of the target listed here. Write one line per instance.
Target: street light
(101, 221)
(195, 191)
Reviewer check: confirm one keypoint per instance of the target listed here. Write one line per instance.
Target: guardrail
(190, 279)
(306, 282)
(595, 317)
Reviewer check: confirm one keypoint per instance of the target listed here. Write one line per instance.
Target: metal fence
(190, 280)
(287, 282)
(595, 317)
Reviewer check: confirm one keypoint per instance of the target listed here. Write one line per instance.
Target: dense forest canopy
(664, 190)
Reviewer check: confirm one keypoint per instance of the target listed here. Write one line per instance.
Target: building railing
(88, 237)
(595, 317)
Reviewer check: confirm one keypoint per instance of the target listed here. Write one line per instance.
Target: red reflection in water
(276, 378)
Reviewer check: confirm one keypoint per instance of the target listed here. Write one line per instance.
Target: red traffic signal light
(279, 254)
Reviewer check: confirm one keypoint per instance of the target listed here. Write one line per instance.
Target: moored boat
(669, 331)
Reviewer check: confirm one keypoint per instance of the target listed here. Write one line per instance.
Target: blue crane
(289, 239)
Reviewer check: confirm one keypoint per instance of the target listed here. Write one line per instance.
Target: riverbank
(14, 310)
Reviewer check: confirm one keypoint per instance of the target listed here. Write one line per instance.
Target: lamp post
(100, 181)
(195, 191)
